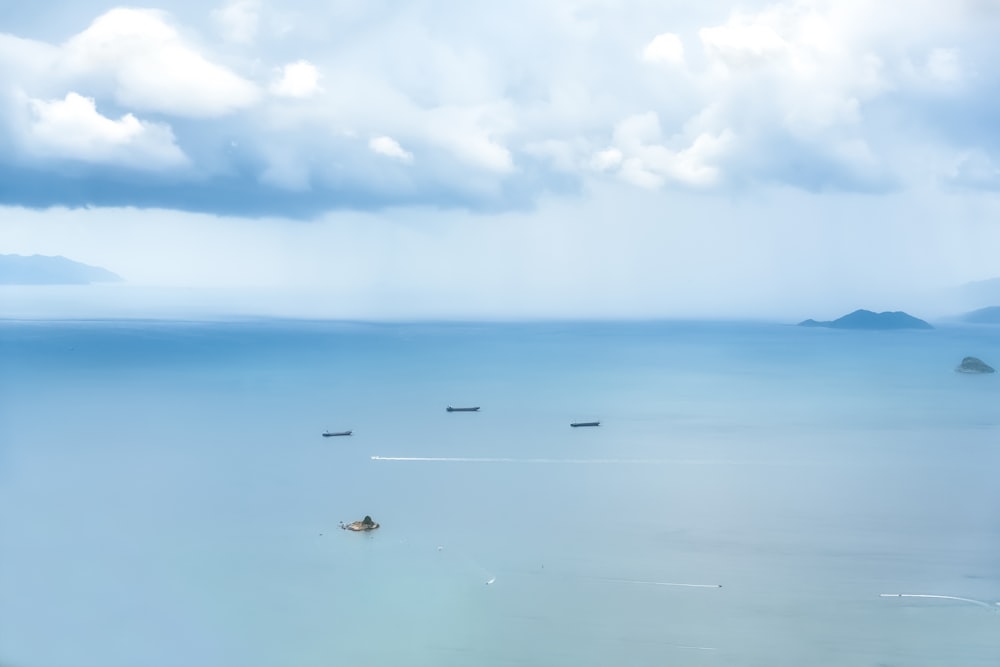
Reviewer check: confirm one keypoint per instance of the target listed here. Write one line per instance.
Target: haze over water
(166, 497)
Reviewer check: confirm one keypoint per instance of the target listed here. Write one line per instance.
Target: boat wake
(987, 605)
(657, 583)
(473, 459)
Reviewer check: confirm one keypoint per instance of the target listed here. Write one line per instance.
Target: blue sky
(376, 159)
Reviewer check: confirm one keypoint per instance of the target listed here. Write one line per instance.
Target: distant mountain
(46, 270)
(989, 315)
(866, 319)
(977, 294)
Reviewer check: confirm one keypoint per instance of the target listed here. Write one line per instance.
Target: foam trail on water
(472, 459)
(938, 597)
(660, 583)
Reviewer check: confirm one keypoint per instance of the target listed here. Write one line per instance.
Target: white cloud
(665, 48)
(634, 171)
(298, 79)
(238, 20)
(469, 134)
(790, 53)
(743, 41)
(787, 84)
(390, 148)
(26, 59)
(606, 159)
(152, 67)
(644, 159)
(775, 90)
(72, 128)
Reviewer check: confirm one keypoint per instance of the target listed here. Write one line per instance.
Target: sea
(756, 495)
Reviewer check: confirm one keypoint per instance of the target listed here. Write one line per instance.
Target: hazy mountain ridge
(990, 315)
(51, 270)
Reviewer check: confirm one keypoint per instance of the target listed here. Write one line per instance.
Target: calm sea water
(166, 498)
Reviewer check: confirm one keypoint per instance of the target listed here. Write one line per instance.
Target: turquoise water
(166, 497)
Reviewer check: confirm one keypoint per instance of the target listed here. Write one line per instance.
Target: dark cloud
(239, 191)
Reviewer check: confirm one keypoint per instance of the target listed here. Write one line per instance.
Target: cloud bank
(250, 107)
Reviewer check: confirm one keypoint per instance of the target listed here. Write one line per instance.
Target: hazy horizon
(124, 301)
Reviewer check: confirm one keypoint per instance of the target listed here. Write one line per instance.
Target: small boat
(577, 424)
(451, 409)
(331, 434)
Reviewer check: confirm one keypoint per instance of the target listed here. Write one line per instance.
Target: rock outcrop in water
(974, 365)
(866, 319)
(359, 526)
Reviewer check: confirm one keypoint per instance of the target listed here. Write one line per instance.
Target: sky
(384, 160)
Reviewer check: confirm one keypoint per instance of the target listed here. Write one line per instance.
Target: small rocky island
(866, 319)
(359, 526)
(974, 365)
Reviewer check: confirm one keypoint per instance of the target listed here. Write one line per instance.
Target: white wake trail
(473, 459)
(659, 583)
(980, 603)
